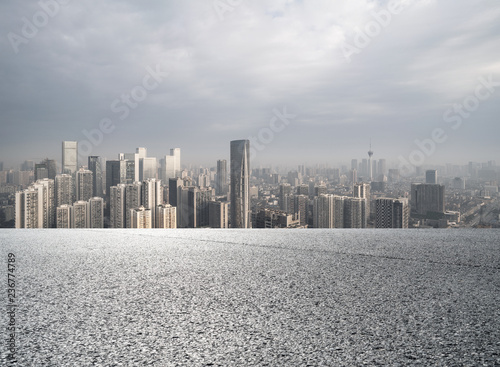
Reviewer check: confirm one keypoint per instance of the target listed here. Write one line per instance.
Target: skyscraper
(63, 216)
(45, 169)
(240, 184)
(218, 214)
(84, 183)
(141, 218)
(221, 183)
(427, 199)
(166, 216)
(132, 165)
(151, 196)
(355, 212)
(370, 167)
(64, 190)
(95, 165)
(132, 200)
(117, 206)
(362, 190)
(382, 167)
(116, 173)
(171, 165)
(46, 198)
(80, 214)
(431, 176)
(96, 212)
(69, 157)
(29, 211)
(148, 168)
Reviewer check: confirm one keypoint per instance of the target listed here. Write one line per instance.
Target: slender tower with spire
(370, 168)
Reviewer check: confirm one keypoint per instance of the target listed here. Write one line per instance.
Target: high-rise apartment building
(132, 166)
(132, 200)
(29, 212)
(151, 196)
(63, 216)
(117, 206)
(362, 190)
(165, 216)
(46, 198)
(328, 211)
(64, 190)
(96, 212)
(240, 184)
(391, 213)
(95, 165)
(355, 212)
(69, 157)
(80, 214)
(141, 218)
(84, 184)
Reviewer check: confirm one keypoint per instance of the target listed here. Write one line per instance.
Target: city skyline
(311, 83)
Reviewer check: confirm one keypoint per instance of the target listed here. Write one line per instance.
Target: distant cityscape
(137, 191)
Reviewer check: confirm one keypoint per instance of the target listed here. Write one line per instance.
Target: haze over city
(198, 74)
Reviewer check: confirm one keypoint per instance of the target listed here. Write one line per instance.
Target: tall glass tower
(240, 182)
(69, 157)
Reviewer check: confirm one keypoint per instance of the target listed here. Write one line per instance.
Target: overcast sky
(197, 74)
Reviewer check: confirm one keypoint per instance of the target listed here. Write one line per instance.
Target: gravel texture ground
(254, 297)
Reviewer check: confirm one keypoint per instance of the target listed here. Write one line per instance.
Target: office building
(116, 173)
(45, 169)
(41, 171)
(171, 165)
(382, 168)
(221, 187)
(459, 183)
(240, 185)
(286, 198)
(300, 208)
(28, 166)
(431, 176)
(96, 212)
(69, 157)
(95, 165)
(148, 168)
(427, 200)
(218, 214)
(391, 213)
(84, 184)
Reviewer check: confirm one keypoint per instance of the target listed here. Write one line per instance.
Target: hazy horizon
(312, 82)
